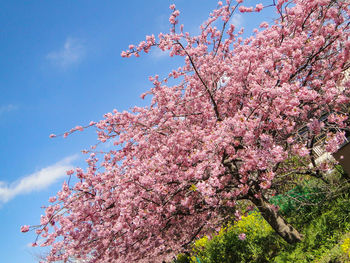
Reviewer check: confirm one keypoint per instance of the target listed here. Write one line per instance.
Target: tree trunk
(277, 222)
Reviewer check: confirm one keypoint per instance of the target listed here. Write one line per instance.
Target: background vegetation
(319, 209)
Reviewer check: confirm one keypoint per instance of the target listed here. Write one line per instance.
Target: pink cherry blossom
(259, 7)
(70, 172)
(244, 9)
(242, 236)
(52, 199)
(24, 228)
(236, 110)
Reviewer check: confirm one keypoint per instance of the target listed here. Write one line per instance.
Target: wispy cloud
(7, 108)
(36, 181)
(157, 53)
(71, 53)
(236, 20)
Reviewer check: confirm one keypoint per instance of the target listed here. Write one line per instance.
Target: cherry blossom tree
(239, 109)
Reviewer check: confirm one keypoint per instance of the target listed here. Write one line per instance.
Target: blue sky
(61, 67)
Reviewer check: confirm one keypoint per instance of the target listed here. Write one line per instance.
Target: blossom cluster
(178, 166)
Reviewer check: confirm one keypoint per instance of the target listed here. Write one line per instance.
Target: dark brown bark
(277, 222)
(342, 156)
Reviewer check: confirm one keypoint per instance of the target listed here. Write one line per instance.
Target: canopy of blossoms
(219, 135)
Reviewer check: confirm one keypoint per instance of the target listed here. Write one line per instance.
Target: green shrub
(323, 227)
(346, 247)
(321, 234)
(298, 200)
(258, 243)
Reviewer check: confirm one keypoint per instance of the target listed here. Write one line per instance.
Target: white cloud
(157, 53)
(71, 53)
(236, 20)
(7, 108)
(36, 181)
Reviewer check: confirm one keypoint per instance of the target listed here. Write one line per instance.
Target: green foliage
(321, 235)
(259, 245)
(298, 200)
(182, 258)
(323, 228)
